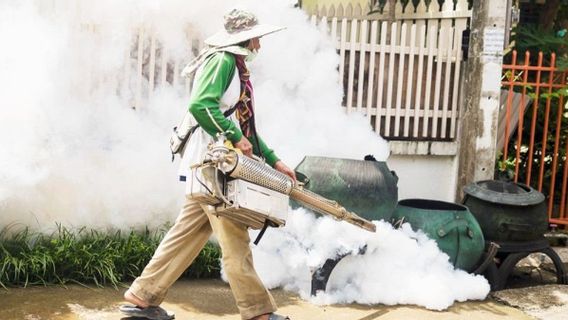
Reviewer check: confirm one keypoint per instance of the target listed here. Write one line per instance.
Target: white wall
(425, 170)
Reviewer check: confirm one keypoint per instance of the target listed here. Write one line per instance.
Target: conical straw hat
(240, 26)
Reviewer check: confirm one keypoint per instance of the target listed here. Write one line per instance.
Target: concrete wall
(425, 169)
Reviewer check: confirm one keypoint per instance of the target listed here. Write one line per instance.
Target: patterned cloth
(244, 107)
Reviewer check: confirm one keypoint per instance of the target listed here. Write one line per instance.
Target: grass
(86, 256)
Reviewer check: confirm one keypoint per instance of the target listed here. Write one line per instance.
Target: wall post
(480, 108)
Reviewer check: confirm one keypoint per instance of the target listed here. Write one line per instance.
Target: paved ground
(548, 302)
(211, 299)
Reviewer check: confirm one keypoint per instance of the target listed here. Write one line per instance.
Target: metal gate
(533, 129)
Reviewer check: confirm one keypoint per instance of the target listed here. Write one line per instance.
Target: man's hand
(245, 146)
(280, 166)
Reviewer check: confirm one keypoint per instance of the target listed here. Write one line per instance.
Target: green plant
(534, 39)
(86, 256)
(505, 168)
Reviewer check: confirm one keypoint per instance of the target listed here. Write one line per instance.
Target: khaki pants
(182, 244)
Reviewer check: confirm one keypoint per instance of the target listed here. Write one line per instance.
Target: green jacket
(210, 86)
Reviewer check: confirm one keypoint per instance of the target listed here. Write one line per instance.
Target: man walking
(221, 83)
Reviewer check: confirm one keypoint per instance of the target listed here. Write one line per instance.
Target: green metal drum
(367, 188)
(451, 225)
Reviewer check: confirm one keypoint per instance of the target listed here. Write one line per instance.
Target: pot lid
(502, 192)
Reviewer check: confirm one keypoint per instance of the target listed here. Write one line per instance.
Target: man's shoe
(152, 313)
(274, 316)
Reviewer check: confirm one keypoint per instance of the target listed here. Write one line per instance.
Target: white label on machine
(259, 199)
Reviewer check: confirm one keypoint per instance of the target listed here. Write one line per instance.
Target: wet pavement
(532, 295)
(548, 302)
(212, 299)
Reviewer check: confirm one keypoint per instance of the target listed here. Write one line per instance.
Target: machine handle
(302, 178)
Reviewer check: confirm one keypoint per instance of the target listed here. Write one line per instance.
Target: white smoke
(73, 151)
(398, 266)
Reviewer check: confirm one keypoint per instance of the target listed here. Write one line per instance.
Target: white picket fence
(153, 67)
(404, 75)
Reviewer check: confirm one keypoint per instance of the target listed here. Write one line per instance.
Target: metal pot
(507, 211)
(451, 225)
(367, 188)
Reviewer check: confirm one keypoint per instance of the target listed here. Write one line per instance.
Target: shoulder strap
(186, 137)
(194, 64)
(226, 114)
(192, 67)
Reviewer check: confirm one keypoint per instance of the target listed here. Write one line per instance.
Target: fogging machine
(249, 191)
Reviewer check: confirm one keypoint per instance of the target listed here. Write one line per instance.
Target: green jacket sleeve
(214, 80)
(204, 103)
(268, 154)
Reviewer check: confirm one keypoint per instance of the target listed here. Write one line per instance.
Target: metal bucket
(367, 188)
(507, 211)
(451, 225)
